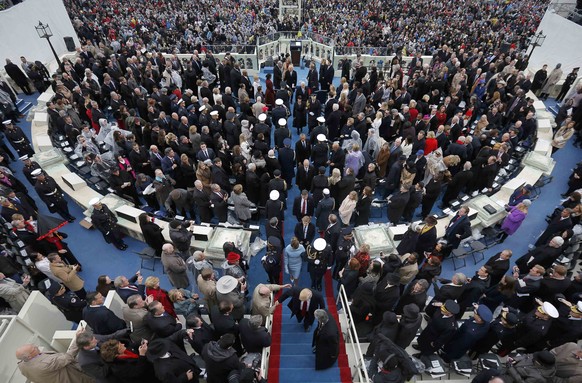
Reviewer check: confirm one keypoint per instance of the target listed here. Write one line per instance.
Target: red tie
(304, 308)
(304, 207)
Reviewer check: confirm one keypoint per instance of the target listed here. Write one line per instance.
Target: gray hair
(132, 300)
(118, 281)
(84, 339)
(461, 278)
(197, 255)
(255, 321)
(321, 316)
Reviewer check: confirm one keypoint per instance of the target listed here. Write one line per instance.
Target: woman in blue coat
(293, 260)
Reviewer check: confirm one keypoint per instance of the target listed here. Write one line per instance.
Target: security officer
(18, 139)
(280, 110)
(262, 127)
(318, 259)
(67, 301)
(313, 111)
(440, 329)
(320, 152)
(345, 249)
(319, 129)
(279, 184)
(106, 222)
(281, 133)
(51, 194)
(29, 167)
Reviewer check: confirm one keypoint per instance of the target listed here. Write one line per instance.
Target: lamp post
(537, 40)
(44, 32)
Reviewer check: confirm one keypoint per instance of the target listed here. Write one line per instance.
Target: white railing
(267, 350)
(351, 339)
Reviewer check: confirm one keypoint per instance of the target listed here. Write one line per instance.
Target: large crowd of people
(193, 137)
(385, 28)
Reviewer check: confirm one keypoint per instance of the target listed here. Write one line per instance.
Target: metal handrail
(267, 350)
(352, 337)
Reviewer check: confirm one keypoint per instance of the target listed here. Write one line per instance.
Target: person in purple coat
(514, 219)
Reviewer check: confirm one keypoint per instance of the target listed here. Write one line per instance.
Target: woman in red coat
(152, 285)
(270, 92)
(431, 144)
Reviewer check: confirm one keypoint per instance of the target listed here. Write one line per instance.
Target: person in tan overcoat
(67, 274)
(15, 294)
(50, 367)
(207, 286)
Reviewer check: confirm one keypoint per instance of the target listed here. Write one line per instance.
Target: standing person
(553, 78)
(50, 367)
(323, 210)
(363, 207)
(539, 79)
(51, 194)
(303, 304)
(567, 84)
(18, 139)
(293, 260)
(514, 219)
(67, 274)
(318, 259)
(181, 237)
(440, 329)
(175, 267)
(458, 228)
(106, 222)
(14, 72)
(152, 233)
(325, 340)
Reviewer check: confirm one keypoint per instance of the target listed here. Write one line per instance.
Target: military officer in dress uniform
(51, 194)
(106, 222)
(319, 257)
(29, 167)
(346, 248)
(440, 329)
(287, 161)
(533, 327)
(471, 332)
(18, 139)
(501, 330)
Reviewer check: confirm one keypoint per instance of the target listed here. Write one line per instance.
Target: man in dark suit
(325, 340)
(305, 231)
(205, 153)
(127, 287)
(459, 228)
(169, 162)
(305, 174)
(556, 227)
(89, 358)
(201, 200)
(303, 205)
(218, 202)
(303, 304)
(302, 149)
(499, 264)
(170, 361)
(254, 337)
(102, 320)
(17, 204)
(160, 322)
(203, 332)
(155, 157)
(332, 232)
(219, 175)
(312, 79)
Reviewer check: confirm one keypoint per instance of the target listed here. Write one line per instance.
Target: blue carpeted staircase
(23, 106)
(297, 362)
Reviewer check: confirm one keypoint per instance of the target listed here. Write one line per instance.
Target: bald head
(27, 352)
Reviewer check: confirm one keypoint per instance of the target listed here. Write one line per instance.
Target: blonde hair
(174, 294)
(151, 282)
